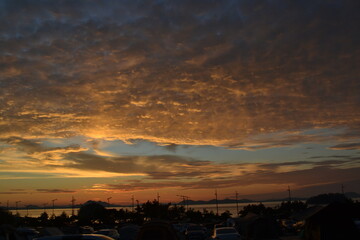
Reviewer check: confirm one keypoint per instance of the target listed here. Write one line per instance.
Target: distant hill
(328, 198)
(223, 201)
(213, 201)
(284, 199)
(104, 204)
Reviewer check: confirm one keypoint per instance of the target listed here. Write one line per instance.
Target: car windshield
(225, 230)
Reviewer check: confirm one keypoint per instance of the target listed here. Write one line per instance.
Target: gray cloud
(171, 147)
(14, 192)
(298, 179)
(55, 191)
(346, 146)
(155, 167)
(33, 147)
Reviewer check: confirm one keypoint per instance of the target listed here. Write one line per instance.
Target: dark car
(157, 230)
(113, 233)
(195, 232)
(76, 237)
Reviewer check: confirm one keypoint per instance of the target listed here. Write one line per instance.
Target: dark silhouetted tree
(155, 210)
(44, 218)
(208, 216)
(287, 208)
(176, 212)
(258, 209)
(194, 216)
(6, 217)
(225, 215)
(91, 213)
(61, 220)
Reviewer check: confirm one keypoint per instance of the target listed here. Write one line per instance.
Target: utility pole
(289, 194)
(16, 204)
(158, 198)
(237, 204)
(217, 205)
(72, 205)
(132, 203)
(53, 205)
(342, 189)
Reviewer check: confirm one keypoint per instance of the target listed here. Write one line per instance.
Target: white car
(226, 233)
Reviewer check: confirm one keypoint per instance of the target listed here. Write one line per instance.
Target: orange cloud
(203, 82)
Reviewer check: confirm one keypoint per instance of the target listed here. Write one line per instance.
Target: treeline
(94, 213)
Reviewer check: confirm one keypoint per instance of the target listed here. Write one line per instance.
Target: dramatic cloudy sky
(117, 98)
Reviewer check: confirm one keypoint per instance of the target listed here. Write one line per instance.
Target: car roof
(76, 237)
(225, 228)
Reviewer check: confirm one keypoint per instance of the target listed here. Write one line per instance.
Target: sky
(129, 99)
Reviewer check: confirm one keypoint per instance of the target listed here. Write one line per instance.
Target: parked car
(86, 230)
(195, 232)
(129, 232)
(76, 237)
(157, 230)
(226, 233)
(113, 233)
(27, 233)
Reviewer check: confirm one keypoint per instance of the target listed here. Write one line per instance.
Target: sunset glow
(122, 98)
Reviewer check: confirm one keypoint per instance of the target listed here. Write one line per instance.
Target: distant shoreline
(351, 195)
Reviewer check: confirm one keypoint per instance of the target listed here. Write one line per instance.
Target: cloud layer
(244, 75)
(177, 72)
(172, 171)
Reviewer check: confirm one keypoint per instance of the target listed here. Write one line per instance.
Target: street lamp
(237, 203)
(108, 199)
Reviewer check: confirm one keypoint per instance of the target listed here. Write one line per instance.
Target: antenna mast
(289, 194)
(237, 203)
(132, 202)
